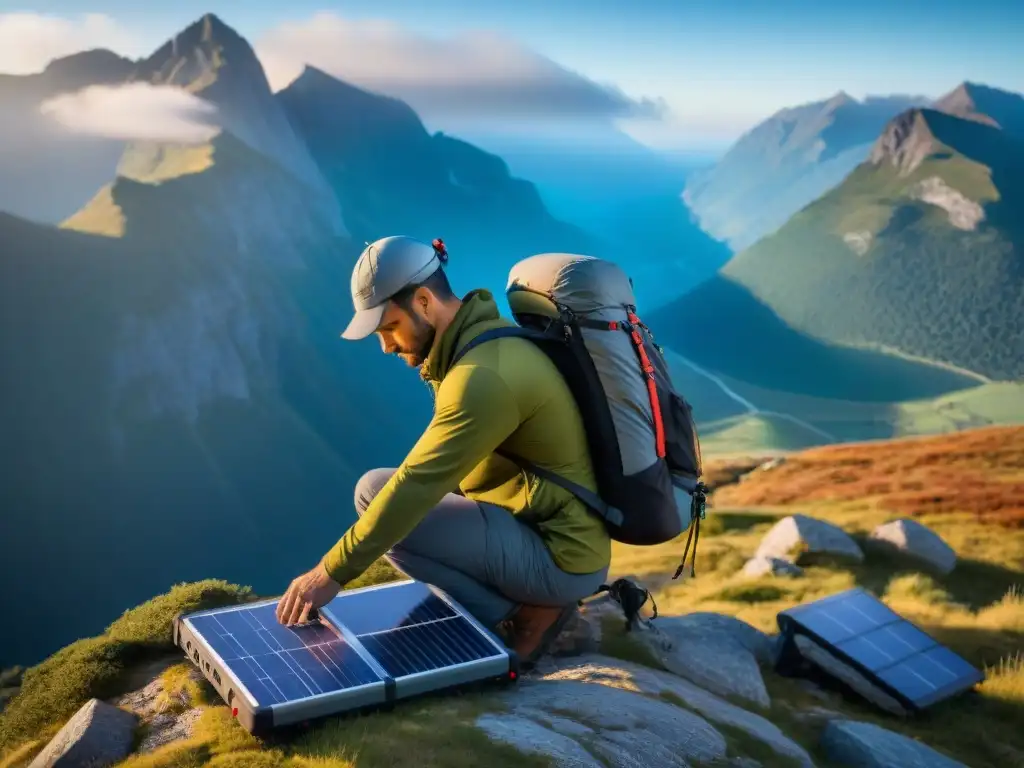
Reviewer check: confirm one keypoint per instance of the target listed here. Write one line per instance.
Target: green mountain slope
(918, 250)
(786, 162)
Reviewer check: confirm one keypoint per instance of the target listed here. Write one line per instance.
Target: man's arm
(474, 413)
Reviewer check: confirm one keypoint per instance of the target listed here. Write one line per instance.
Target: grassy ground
(978, 610)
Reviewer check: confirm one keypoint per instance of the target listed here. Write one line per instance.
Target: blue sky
(720, 65)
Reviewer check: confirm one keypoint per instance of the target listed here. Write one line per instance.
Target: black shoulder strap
(591, 499)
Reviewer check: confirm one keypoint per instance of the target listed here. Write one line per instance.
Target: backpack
(581, 311)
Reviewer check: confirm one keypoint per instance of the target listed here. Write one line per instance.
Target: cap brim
(364, 323)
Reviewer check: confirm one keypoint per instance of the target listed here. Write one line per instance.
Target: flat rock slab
(799, 538)
(719, 653)
(917, 541)
(624, 728)
(864, 745)
(629, 676)
(531, 737)
(98, 735)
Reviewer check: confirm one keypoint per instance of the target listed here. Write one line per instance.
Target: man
(515, 550)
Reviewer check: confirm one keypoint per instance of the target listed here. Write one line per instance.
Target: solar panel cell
(366, 612)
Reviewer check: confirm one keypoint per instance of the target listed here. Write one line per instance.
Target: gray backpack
(640, 431)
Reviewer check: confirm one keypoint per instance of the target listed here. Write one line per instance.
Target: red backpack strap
(652, 387)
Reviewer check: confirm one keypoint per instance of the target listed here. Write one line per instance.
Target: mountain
(177, 401)
(920, 250)
(392, 176)
(47, 172)
(786, 162)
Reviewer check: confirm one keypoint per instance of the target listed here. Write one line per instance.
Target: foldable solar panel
(893, 654)
(368, 647)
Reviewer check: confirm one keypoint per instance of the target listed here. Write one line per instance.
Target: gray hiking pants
(481, 555)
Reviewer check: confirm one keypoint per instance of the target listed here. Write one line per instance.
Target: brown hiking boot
(534, 627)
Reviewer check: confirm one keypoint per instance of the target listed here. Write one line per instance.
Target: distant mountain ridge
(786, 162)
(919, 250)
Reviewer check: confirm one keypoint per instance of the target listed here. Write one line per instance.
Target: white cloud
(29, 41)
(471, 74)
(136, 111)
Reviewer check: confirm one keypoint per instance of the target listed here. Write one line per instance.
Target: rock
(629, 676)
(776, 566)
(581, 635)
(719, 653)
(818, 656)
(98, 735)
(799, 538)
(165, 719)
(528, 736)
(917, 541)
(628, 728)
(863, 745)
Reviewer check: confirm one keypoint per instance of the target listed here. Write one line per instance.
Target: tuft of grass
(97, 667)
(751, 593)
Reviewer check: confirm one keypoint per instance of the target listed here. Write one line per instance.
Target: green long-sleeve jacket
(503, 393)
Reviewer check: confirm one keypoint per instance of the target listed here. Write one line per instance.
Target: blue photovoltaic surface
(277, 663)
(408, 629)
(887, 645)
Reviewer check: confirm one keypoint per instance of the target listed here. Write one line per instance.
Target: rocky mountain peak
(905, 141)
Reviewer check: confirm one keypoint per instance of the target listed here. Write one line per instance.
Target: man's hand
(309, 591)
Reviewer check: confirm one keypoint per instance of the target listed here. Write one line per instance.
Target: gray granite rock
(98, 735)
(629, 728)
(763, 565)
(864, 745)
(719, 653)
(531, 737)
(626, 675)
(917, 541)
(799, 538)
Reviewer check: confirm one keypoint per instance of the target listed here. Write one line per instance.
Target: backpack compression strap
(611, 514)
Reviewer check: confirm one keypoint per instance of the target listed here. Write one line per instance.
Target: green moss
(96, 667)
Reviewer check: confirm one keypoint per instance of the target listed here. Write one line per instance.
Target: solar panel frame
(258, 716)
(796, 620)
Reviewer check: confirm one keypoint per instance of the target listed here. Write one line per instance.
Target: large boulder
(801, 539)
(918, 542)
(720, 653)
(617, 726)
(602, 670)
(864, 745)
(98, 735)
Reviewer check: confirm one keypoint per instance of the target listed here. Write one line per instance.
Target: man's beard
(421, 344)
